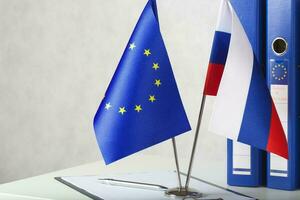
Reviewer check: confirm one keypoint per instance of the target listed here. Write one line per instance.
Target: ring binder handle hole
(279, 46)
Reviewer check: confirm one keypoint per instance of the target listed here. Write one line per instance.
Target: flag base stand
(183, 192)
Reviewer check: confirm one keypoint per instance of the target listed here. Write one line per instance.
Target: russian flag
(244, 110)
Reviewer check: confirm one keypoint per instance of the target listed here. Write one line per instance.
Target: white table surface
(44, 186)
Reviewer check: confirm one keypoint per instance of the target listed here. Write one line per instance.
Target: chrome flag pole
(195, 142)
(186, 191)
(177, 163)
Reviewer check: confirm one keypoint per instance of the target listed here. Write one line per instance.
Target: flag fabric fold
(142, 106)
(244, 110)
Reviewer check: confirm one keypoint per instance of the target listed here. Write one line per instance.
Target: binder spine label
(279, 92)
(241, 159)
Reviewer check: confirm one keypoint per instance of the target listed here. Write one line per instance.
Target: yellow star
(122, 110)
(108, 106)
(155, 66)
(147, 52)
(152, 98)
(157, 82)
(132, 46)
(138, 108)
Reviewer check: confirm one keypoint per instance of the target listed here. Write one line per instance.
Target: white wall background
(56, 60)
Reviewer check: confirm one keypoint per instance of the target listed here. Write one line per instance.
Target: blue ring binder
(283, 78)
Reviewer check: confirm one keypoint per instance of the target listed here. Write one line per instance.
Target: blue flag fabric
(142, 106)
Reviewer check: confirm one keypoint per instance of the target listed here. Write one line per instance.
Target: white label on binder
(241, 159)
(279, 165)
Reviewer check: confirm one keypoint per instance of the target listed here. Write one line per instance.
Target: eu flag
(142, 105)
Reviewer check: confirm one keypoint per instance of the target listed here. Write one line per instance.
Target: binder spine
(283, 80)
(245, 164)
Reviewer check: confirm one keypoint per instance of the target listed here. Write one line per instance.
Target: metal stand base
(183, 192)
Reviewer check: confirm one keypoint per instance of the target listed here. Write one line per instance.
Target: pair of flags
(142, 106)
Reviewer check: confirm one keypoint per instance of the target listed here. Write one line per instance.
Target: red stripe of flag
(277, 135)
(213, 79)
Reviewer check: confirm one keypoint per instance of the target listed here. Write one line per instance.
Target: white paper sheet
(92, 185)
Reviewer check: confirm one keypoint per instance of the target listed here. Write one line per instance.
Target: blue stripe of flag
(258, 100)
(220, 48)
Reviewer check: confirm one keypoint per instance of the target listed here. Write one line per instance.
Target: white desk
(45, 186)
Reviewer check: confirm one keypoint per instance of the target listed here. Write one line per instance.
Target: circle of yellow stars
(157, 82)
(279, 67)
